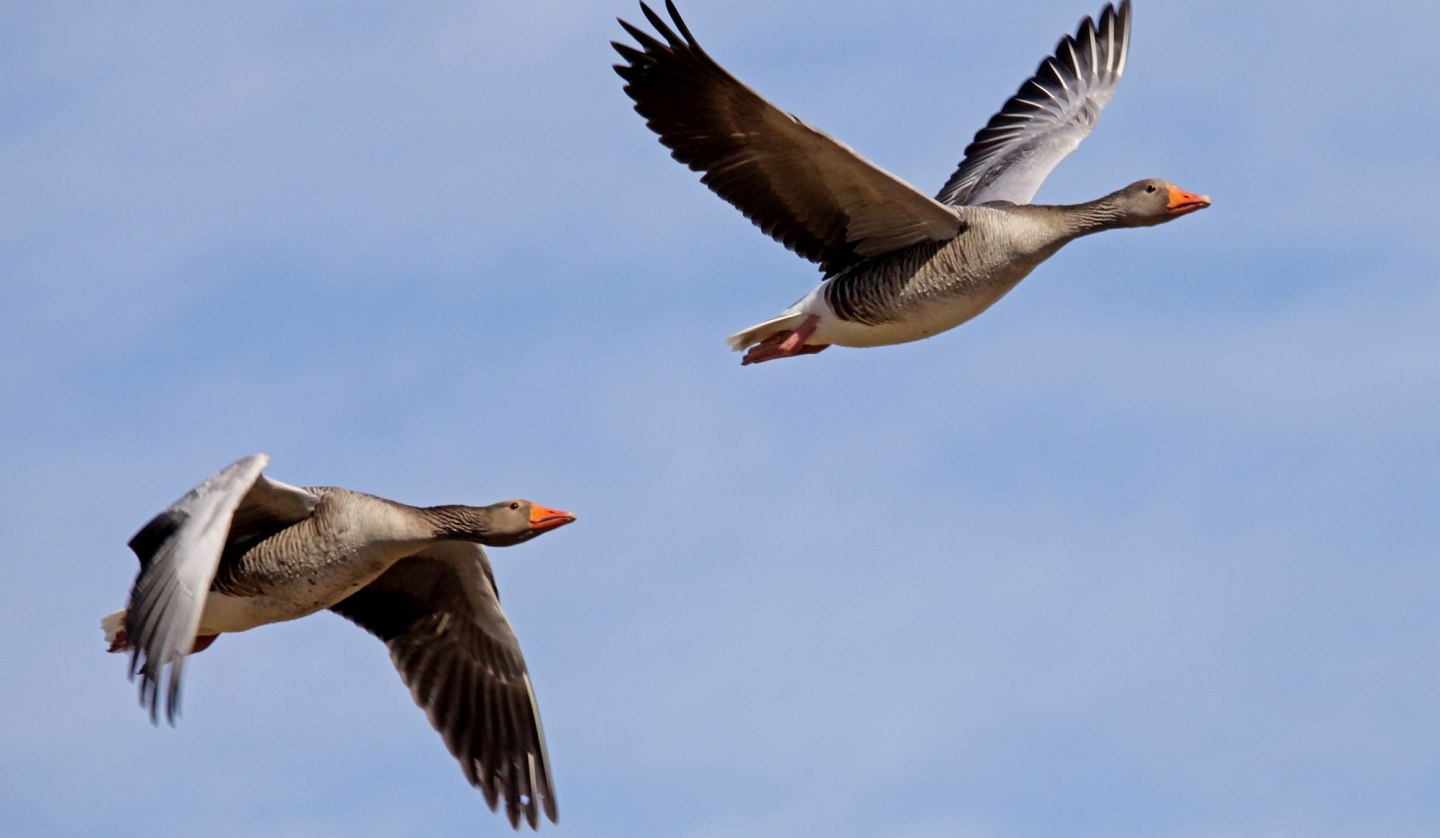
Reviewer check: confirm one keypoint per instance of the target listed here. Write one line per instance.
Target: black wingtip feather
(631, 55)
(649, 42)
(680, 24)
(661, 26)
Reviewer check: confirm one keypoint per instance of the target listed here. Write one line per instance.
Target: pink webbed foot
(786, 344)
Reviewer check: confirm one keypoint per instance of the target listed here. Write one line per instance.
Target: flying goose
(899, 266)
(241, 550)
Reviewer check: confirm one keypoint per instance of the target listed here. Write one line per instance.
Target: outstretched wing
(1046, 120)
(439, 614)
(179, 552)
(810, 192)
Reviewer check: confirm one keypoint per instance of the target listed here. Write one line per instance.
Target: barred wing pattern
(439, 614)
(1047, 118)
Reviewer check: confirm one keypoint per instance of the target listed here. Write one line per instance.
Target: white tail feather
(757, 333)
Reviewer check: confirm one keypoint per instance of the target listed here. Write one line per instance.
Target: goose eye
(514, 504)
(1150, 187)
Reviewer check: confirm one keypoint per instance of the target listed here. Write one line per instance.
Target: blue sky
(1148, 549)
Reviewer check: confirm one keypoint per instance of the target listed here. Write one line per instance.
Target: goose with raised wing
(241, 550)
(899, 266)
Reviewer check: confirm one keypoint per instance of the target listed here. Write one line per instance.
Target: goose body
(899, 266)
(241, 550)
(346, 542)
(921, 290)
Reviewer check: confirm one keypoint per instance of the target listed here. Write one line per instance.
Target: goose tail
(114, 626)
(760, 331)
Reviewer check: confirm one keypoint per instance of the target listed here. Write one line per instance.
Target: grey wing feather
(1047, 118)
(439, 614)
(269, 506)
(179, 551)
(810, 192)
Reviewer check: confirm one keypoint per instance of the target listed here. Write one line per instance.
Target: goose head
(1148, 202)
(499, 524)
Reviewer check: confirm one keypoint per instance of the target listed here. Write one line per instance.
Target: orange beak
(1182, 202)
(544, 518)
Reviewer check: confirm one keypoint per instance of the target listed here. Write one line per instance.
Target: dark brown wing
(810, 192)
(439, 614)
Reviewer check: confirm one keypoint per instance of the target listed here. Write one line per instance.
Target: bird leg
(786, 344)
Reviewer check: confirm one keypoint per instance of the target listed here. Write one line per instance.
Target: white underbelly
(917, 323)
(227, 613)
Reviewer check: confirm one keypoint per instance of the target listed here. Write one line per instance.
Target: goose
(898, 265)
(241, 550)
